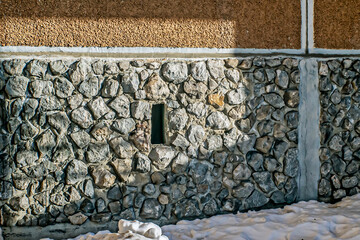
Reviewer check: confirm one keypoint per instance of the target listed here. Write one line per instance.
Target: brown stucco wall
(151, 23)
(337, 24)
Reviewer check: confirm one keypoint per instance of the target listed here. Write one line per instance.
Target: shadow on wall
(160, 23)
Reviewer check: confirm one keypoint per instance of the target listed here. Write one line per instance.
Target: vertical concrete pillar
(309, 132)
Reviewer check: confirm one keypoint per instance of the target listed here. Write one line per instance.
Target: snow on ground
(303, 220)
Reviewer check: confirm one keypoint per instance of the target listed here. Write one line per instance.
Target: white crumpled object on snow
(130, 230)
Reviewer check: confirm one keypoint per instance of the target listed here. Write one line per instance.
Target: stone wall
(340, 128)
(76, 143)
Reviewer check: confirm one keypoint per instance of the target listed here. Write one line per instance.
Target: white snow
(303, 220)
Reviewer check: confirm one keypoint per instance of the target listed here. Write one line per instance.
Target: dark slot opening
(157, 124)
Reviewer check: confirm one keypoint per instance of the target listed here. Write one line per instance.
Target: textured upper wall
(152, 23)
(337, 24)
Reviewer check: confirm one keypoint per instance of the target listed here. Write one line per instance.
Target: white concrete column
(309, 132)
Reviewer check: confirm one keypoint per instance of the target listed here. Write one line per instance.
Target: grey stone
(230, 139)
(180, 163)
(199, 109)
(280, 147)
(271, 74)
(265, 182)
(338, 194)
(324, 187)
(218, 120)
(58, 67)
(274, 100)
(264, 144)
(199, 72)
(157, 178)
(121, 105)
(233, 75)
(349, 182)
(16, 86)
(75, 100)
(29, 108)
(196, 89)
(28, 131)
(63, 87)
(77, 219)
(124, 125)
(100, 205)
(272, 165)
(176, 72)
(246, 142)
(114, 193)
(81, 138)
(102, 177)
(180, 141)
(187, 208)
(259, 75)
(239, 112)
(161, 156)
(195, 134)
(273, 62)
(282, 79)
(111, 68)
(37, 68)
(291, 98)
(26, 157)
(211, 208)
(241, 172)
(149, 189)
(115, 207)
(243, 190)
(122, 168)
(355, 143)
(90, 87)
(98, 107)
(265, 127)
(80, 72)
(335, 181)
(323, 69)
(141, 110)
(352, 167)
(76, 172)
(14, 66)
(214, 142)
(237, 96)
(338, 164)
(177, 119)
(151, 209)
(280, 179)
(87, 188)
(87, 206)
(336, 143)
(291, 163)
(216, 68)
(292, 119)
(156, 88)
(255, 160)
(59, 120)
(82, 117)
(142, 163)
(97, 152)
(110, 88)
(255, 200)
(46, 142)
(335, 97)
(50, 103)
(264, 112)
(325, 84)
(121, 147)
(278, 197)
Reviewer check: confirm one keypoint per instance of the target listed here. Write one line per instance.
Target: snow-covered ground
(303, 220)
